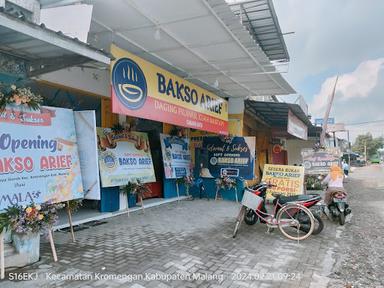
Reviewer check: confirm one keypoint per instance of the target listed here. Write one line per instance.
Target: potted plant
(26, 224)
(187, 181)
(74, 205)
(4, 227)
(225, 182)
(134, 189)
(129, 189)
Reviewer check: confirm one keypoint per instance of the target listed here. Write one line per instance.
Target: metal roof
(275, 114)
(42, 49)
(56, 3)
(200, 40)
(259, 17)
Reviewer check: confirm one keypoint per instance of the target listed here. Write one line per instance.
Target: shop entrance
(153, 129)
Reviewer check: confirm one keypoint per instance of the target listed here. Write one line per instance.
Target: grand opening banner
(289, 180)
(39, 158)
(123, 157)
(142, 89)
(231, 156)
(176, 156)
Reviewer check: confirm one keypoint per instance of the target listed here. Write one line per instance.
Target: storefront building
(198, 68)
(281, 129)
(28, 50)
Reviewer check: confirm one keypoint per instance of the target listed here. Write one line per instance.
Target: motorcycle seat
(298, 198)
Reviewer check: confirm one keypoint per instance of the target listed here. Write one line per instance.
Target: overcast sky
(337, 37)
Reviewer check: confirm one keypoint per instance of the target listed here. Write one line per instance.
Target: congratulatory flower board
(39, 158)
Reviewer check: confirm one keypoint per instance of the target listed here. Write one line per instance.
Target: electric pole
(327, 111)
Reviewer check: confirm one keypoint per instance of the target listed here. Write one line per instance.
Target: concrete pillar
(235, 116)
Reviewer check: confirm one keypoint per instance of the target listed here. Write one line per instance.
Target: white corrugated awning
(43, 50)
(201, 40)
(260, 19)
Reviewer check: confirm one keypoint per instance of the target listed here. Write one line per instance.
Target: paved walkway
(186, 244)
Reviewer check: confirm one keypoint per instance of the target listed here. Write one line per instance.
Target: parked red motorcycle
(308, 201)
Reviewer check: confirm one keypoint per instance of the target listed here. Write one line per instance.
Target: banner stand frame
(53, 248)
(177, 191)
(2, 265)
(141, 196)
(70, 223)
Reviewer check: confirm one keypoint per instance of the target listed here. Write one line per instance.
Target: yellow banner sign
(289, 180)
(142, 89)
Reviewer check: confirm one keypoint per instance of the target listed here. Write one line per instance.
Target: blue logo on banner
(129, 83)
(109, 160)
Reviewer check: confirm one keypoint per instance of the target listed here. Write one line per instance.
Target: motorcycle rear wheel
(319, 225)
(342, 218)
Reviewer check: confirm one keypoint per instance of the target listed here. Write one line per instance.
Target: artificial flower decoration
(20, 96)
(32, 218)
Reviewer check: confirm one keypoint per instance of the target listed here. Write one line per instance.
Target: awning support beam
(43, 66)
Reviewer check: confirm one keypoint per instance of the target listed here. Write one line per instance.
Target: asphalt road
(360, 249)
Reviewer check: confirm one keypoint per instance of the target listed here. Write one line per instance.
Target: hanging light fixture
(216, 84)
(157, 34)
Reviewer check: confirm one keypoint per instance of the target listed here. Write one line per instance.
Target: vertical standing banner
(85, 122)
(123, 157)
(176, 156)
(289, 180)
(142, 89)
(39, 159)
(230, 156)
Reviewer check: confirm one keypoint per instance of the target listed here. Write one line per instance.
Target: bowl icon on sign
(129, 83)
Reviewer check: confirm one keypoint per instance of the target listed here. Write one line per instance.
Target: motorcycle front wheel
(342, 218)
(250, 217)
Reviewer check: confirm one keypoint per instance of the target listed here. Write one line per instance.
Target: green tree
(373, 144)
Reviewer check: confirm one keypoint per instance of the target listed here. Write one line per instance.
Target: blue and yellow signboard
(142, 89)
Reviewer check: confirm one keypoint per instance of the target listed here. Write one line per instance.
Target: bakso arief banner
(288, 180)
(124, 156)
(142, 89)
(229, 156)
(39, 163)
(176, 156)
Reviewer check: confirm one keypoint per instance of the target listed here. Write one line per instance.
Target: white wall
(294, 146)
(88, 80)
